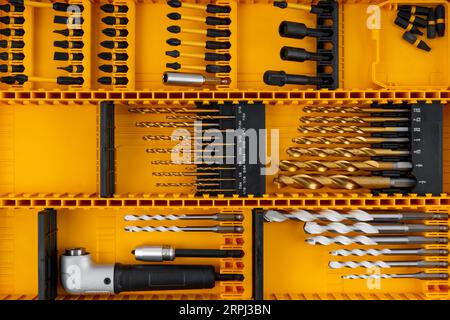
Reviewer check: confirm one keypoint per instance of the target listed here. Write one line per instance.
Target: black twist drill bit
(12, 32)
(70, 32)
(412, 38)
(113, 56)
(68, 20)
(110, 8)
(111, 32)
(114, 68)
(300, 55)
(12, 44)
(416, 20)
(403, 23)
(210, 8)
(114, 44)
(440, 20)
(113, 80)
(212, 45)
(15, 56)
(115, 21)
(209, 68)
(72, 68)
(15, 68)
(68, 44)
(65, 56)
(280, 78)
(12, 20)
(288, 29)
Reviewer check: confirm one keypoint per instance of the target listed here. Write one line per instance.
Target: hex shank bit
(387, 264)
(338, 227)
(390, 252)
(173, 217)
(368, 241)
(217, 229)
(419, 276)
(343, 165)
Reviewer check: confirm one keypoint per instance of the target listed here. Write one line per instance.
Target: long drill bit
(369, 241)
(353, 109)
(347, 140)
(217, 229)
(343, 165)
(387, 264)
(184, 174)
(303, 181)
(349, 129)
(325, 120)
(199, 117)
(170, 110)
(390, 252)
(353, 215)
(344, 152)
(174, 124)
(173, 217)
(364, 227)
(419, 276)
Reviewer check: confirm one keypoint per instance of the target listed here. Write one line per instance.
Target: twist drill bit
(325, 120)
(184, 174)
(343, 152)
(368, 241)
(354, 215)
(303, 181)
(364, 227)
(349, 129)
(347, 140)
(217, 229)
(174, 217)
(173, 124)
(420, 276)
(170, 110)
(387, 264)
(390, 252)
(352, 109)
(349, 166)
(199, 117)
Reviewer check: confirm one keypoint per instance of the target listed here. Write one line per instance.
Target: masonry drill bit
(354, 215)
(347, 140)
(419, 276)
(349, 129)
(352, 109)
(364, 227)
(343, 165)
(217, 229)
(390, 252)
(387, 264)
(343, 152)
(174, 111)
(174, 124)
(337, 119)
(174, 217)
(369, 241)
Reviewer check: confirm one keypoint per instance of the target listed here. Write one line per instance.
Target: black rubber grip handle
(217, 45)
(212, 8)
(162, 277)
(214, 21)
(210, 56)
(214, 33)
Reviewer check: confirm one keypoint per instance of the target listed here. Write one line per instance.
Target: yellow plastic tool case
(116, 118)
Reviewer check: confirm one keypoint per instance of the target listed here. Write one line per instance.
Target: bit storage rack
(65, 147)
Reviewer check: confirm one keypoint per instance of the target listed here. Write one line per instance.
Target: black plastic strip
(47, 255)
(258, 249)
(107, 151)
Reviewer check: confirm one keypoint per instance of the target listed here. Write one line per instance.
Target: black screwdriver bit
(65, 56)
(416, 20)
(12, 56)
(210, 68)
(12, 8)
(12, 20)
(412, 38)
(12, 32)
(213, 21)
(78, 68)
(68, 20)
(115, 21)
(64, 7)
(284, 5)
(8, 80)
(108, 68)
(110, 8)
(288, 29)
(114, 44)
(301, 55)
(11, 44)
(18, 79)
(416, 10)
(431, 27)
(440, 20)
(212, 33)
(68, 81)
(70, 32)
(113, 56)
(114, 81)
(280, 78)
(69, 44)
(210, 8)
(14, 68)
(110, 32)
(208, 56)
(212, 45)
(403, 23)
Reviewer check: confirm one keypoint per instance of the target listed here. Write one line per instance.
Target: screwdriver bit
(387, 264)
(405, 24)
(352, 109)
(364, 227)
(173, 217)
(207, 56)
(419, 276)
(66, 56)
(416, 20)
(57, 6)
(14, 44)
(354, 119)
(440, 20)
(212, 21)
(353, 215)
(68, 44)
(111, 32)
(114, 68)
(344, 152)
(347, 140)
(113, 56)
(74, 21)
(431, 25)
(70, 80)
(368, 241)
(295, 30)
(390, 252)
(414, 10)
(115, 21)
(193, 79)
(12, 20)
(12, 68)
(70, 32)
(8, 32)
(12, 8)
(281, 78)
(349, 129)
(349, 166)
(217, 229)
(78, 68)
(209, 68)
(298, 6)
(301, 55)
(113, 80)
(110, 8)
(212, 45)
(210, 8)
(211, 33)
(412, 38)
(303, 181)
(114, 44)
(15, 56)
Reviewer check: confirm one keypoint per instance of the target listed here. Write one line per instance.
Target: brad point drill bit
(390, 252)
(111, 32)
(343, 152)
(303, 181)
(174, 217)
(414, 40)
(369, 241)
(349, 129)
(298, 6)
(115, 21)
(364, 227)
(110, 8)
(419, 276)
(324, 120)
(209, 68)
(217, 229)
(77, 68)
(212, 45)
(353, 215)
(387, 264)
(113, 80)
(212, 21)
(347, 140)
(207, 56)
(114, 68)
(70, 32)
(343, 165)
(113, 56)
(210, 8)
(211, 33)
(352, 109)
(114, 44)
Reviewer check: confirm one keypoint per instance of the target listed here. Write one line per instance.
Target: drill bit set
(214, 59)
(411, 18)
(327, 55)
(114, 54)
(424, 234)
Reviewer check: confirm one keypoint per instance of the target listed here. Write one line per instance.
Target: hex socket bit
(295, 30)
(281, 78)
(301, 55)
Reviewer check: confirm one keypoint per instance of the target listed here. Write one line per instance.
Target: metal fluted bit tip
(173, 42)
(174, 3)
(367, 276)
(315, 228)
(174, 16)
(359, 252)
(359, 264)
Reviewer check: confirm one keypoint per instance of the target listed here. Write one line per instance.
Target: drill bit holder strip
(107, 149)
